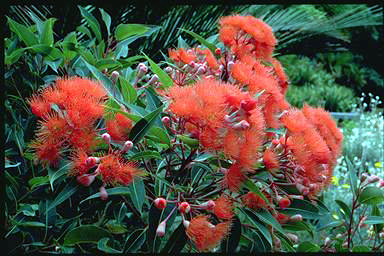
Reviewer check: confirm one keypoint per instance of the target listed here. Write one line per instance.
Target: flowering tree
(203, 154)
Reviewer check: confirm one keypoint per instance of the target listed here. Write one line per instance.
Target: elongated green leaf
(361, 248)
(266, 217)
(22, 32)
(128, 91)
(299, 226)
(107, 20)
(92, 22)
(111, 192)
(210, 46)
(54, 175)
(137, 194)
(67, 192)
(28, 209)
(102, 246)
(344, 209)
(331, 224)
(161, 134)
(108, 63)
(230, 244)
(38, 181)
(147, 154)
(352, 176)
(254, 221)
(249, 184)
(85, 234)
(176, 241)
(371, 195)
(371, 220)
(124, 31)
(14, 56)
(135, 241)
(31, 224)
(193, 143)
(140, 128)
(47, 32)
(85, 30)
(306, 214)
(307, 246)
(164, 78)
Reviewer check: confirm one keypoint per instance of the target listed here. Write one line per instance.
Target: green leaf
(47, 32)
(54, 175)
(371, 220)
(147, 154)
(255, 222)
(249, 184)
(124, 31)
(352, 176)
(28, 209)
(85, 30)
(371, 196)
(176, 241)
(161, 134)
(164, 78)
(361, 248)
(51, 53)
(331, 224)
(22, 32)
(85, 234)
(92, 22)
(107, 20)
(193, 143)
(210, 46)
(154, 219)
(115, 227)
(299, 226)
(137, 194)
(307, 246)
(14, 56)
(267, 218)
(346, 211)
(128, 91)
(181, 43)
(31, 224)
(108, 63)
(66, 193)
(38, 181)
(102, 246)
(140, 128)
(306, 214)
(230, 244)
(111, 192)
(152, 99)
(135, 240)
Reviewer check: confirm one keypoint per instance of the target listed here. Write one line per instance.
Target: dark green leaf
(147, 154)
(22, 32)
(115, 227)
(128, 91)
(331, 224)
(92, 22)
(307, 246)
(346, 211)
(124, 31)
(137, 194)
(135, 241)
(111, 192)
(54, 175)
(85, 30)
(267, 218)
(140, 128)
(306, 214)
(102, 246)
(299, 226)
(230, 244)
(85, 234)
(352, 176)
(176, 241)
(107, 20)
(31, 224)
(28, 209)
(255, 222)
(210, 46)
(164, 78)
(374, 220)
(161, 134)
(193, 143)
(108, 63)
(38, 181)
(361, 248)
(67, 192)
(371, 195)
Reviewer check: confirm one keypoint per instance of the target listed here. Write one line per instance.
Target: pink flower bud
(127, 146)
(302, 189)
(201, 70)
(103, 193)
(192, 64)
(141, 70)
(345, 244)
(339, 236)
(166, 120)
(276, 242)
(184, 207)
(381, 234)
(242, 125)
(294, 238)
(296, 218)
(209, 205)
(160, 203)
(168, 69)
(373, 179)
(300, 197)
(217, 51)
(283, 202)
(153, 79)
(230, 65)
(185, 223)
(86, 179)
(115, 75)
(160, 231)
(107, 138)
(363, 176)
(380, 184)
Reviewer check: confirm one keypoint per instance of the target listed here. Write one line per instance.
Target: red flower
(204, 234)
(79, 164)
(234, 177)
(254, 201)
(270, 159)
(223, 208)
(119, 127)
(181, 55)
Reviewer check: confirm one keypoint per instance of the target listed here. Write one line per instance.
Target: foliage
(156, 175)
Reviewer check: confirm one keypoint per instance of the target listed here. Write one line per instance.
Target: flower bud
(103, 193)
(300, 197)
(363, 176)
(381, 234)
(86, 179)
(184, 207)
(296, 218)
(185, 223)
(92, 161)
(345, 244)
(373, 179)
(168, 69)
(302, 189)
(127, 146)
(276, 243)
(230, 65)
(153, 79)
(217, 51)
(282, 218)
(209, 205)
(160, 203)
(192, 64)
(160, 231)
(166, 120)
(380, 184)
(294, 238)
(107, 138)
(242, 125)
(283, 202)
(327, 241)
(141, 70)
(115, 75)
(339, 236)
(201, 70)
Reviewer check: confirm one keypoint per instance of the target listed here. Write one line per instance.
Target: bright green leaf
(164, 78)
(22, 32)
(92, 22)
(124, 31)
(371, 195)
